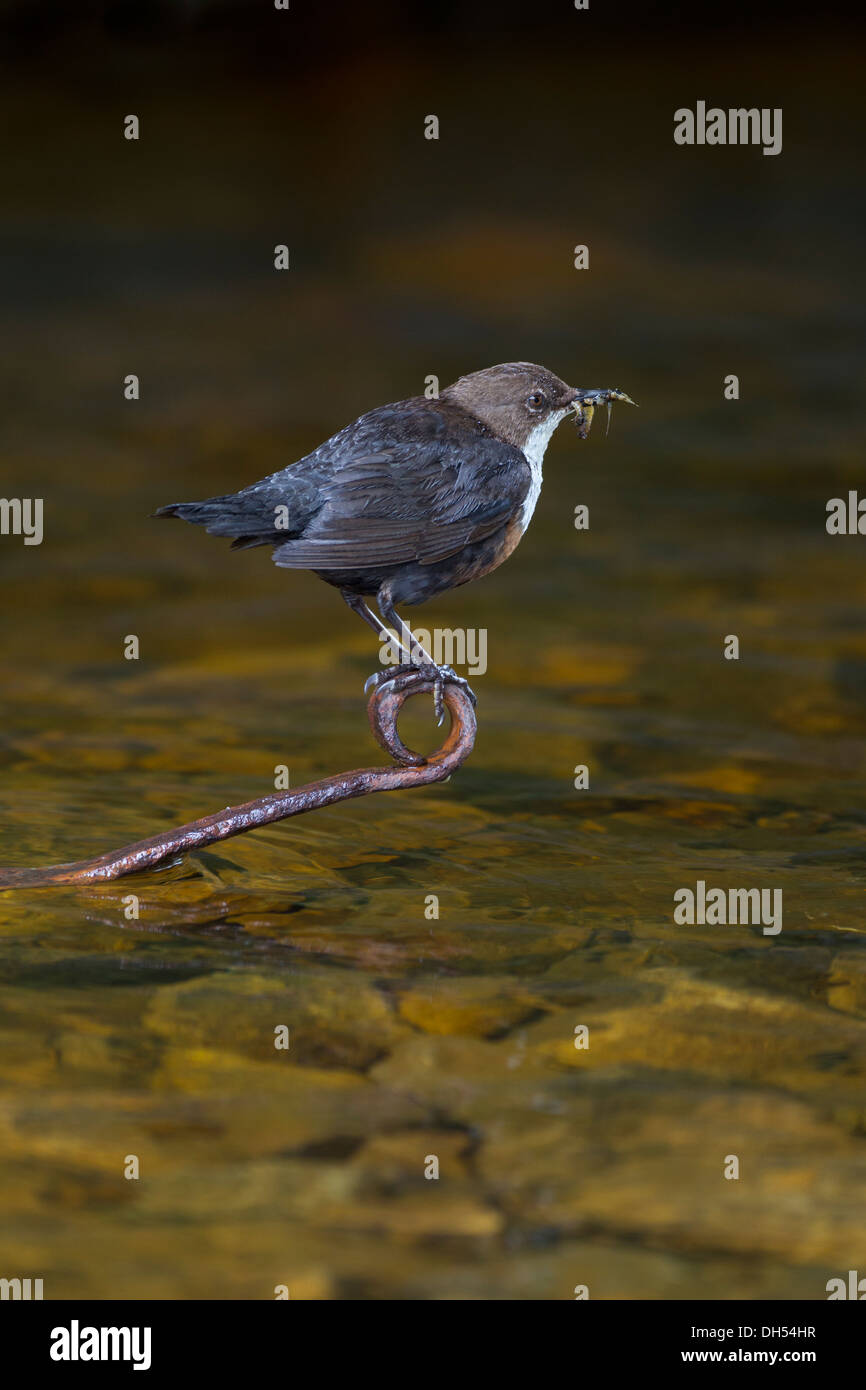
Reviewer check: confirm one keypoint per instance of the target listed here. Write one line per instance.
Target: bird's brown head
(520, 402)
(523, 403)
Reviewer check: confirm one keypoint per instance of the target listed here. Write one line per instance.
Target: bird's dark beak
(583, 403)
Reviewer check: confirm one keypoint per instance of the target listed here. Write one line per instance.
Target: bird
(411, 499)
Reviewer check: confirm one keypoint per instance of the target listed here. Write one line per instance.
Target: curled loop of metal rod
(412, 770)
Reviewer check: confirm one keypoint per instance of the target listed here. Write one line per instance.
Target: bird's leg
(406, 637)
(357, 605)
(418, 656)
(409, 648)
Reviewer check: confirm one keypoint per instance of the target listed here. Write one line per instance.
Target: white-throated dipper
(413, 498)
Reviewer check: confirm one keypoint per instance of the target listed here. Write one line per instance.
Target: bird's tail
(221, 516)
(200, 513)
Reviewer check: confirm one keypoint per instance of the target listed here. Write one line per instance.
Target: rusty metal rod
(383, 709)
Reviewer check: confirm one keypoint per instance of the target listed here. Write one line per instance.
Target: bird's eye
(535, 401)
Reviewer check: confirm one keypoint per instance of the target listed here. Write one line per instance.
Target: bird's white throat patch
(533, 452)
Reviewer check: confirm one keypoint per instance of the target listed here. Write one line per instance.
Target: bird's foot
(389, 673)
(440, 676)
(446, 675)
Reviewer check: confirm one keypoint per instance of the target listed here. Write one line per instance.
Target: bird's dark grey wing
(422, 498)
(417, 480)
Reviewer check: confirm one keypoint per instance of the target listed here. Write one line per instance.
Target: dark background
(411, 256)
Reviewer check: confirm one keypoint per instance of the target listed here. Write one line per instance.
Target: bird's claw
(390, 673)
(446, 675)
(440, 675)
